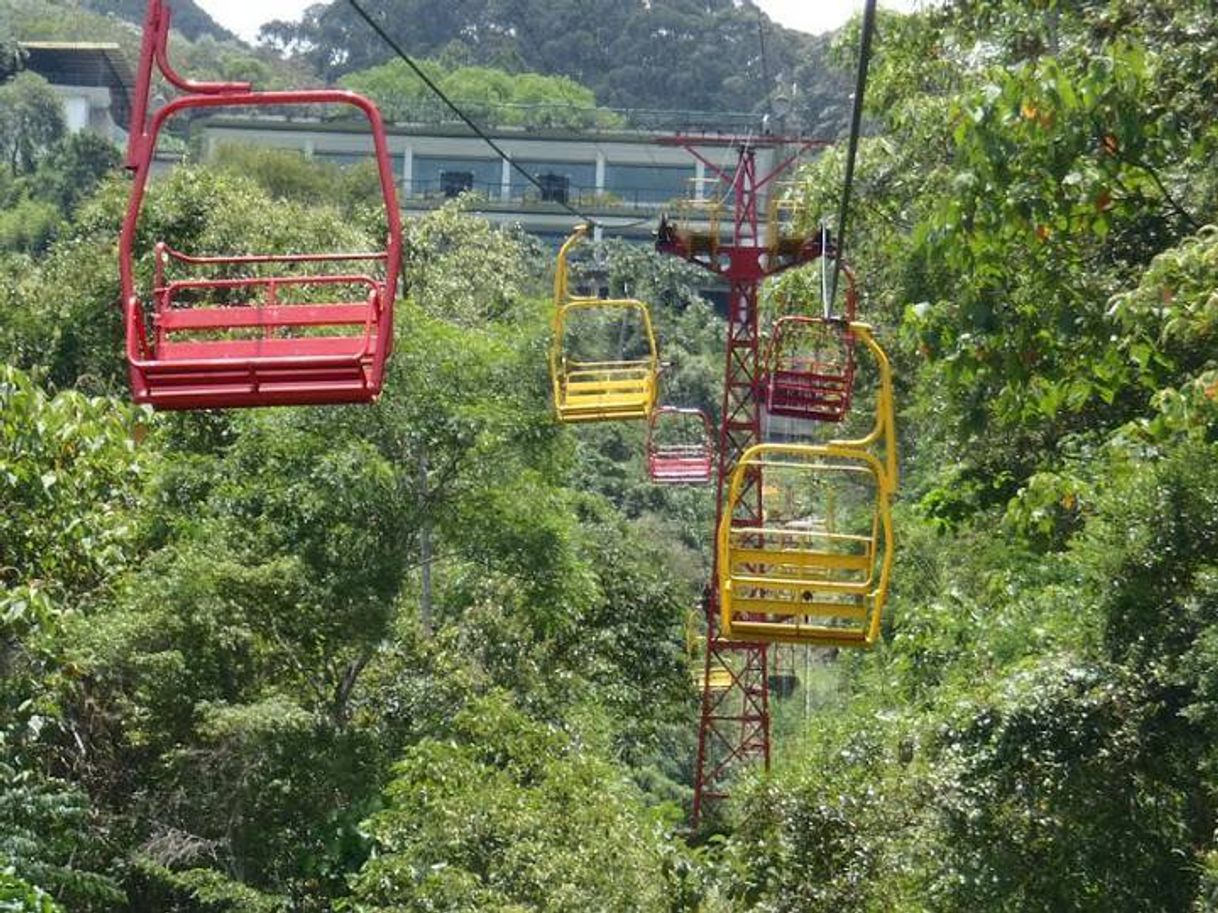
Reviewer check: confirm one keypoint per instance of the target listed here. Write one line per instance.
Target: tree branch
(1167, 195)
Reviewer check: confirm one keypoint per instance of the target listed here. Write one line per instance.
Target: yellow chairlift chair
(700, 215)
(720, 678)
(816, 570)
(600, 388)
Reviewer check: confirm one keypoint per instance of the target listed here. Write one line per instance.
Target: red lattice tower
(734, 727)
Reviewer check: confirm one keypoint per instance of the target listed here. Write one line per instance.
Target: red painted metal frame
(343, 366)
(811, 386)
(734, 726)
(687, 463)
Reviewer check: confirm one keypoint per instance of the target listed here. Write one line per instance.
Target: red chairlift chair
(184, 350)
(810, 363)
(680, 462)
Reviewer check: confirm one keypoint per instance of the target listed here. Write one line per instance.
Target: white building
(93, 79)
(623, 179)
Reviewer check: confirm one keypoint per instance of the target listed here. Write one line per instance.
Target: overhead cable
(469, 122)
(856, 122)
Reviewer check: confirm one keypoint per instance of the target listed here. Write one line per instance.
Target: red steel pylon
(734, 727)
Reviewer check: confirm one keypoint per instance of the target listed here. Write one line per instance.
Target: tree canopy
(668, 54)
(228, 684)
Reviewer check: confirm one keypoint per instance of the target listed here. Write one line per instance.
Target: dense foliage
(1034, 734)
(217, 644)
(226, 682)
(188, 17)
(490, 96)
(714, 55)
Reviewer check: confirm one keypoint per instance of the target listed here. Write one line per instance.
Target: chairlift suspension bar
(856, 125)
(826, 300)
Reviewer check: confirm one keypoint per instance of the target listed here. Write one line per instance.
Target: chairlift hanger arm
(562, 270)
(154, 52)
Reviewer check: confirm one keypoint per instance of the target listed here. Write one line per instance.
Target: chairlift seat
(605, 389)
(230, 335)
(682, 462)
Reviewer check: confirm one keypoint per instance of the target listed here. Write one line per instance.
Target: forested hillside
(669, 54)
(225, 684)
(199, 45)
(188, 17)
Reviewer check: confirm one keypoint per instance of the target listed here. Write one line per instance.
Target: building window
(455, 183)
(648, 184)
(447, 177)
(555, 188)
(579, 177)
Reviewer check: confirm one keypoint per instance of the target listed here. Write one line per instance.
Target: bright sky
(818, 16)
(245, 16)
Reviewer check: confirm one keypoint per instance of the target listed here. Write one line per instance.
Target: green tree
(73, 169)
(31, 121)
(491, 96)
(11, 55)
(188, 17)
(669, 54)
(508, 814)
(69, 478)
(21, 897)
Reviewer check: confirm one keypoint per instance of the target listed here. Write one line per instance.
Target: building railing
(580, 197)
(554, 116)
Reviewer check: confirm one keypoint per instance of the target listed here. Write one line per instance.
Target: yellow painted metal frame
(782, 216)
(720, 679)
(697, 206)
(773, 580)
(595, 391)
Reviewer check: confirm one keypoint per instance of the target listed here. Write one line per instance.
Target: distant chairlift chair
(680, 447)
(810, 363)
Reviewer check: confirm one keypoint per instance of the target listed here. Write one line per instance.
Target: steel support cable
(731, 185)
(765, 61)
(469, 122)
(826, 302)
(856, 122)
